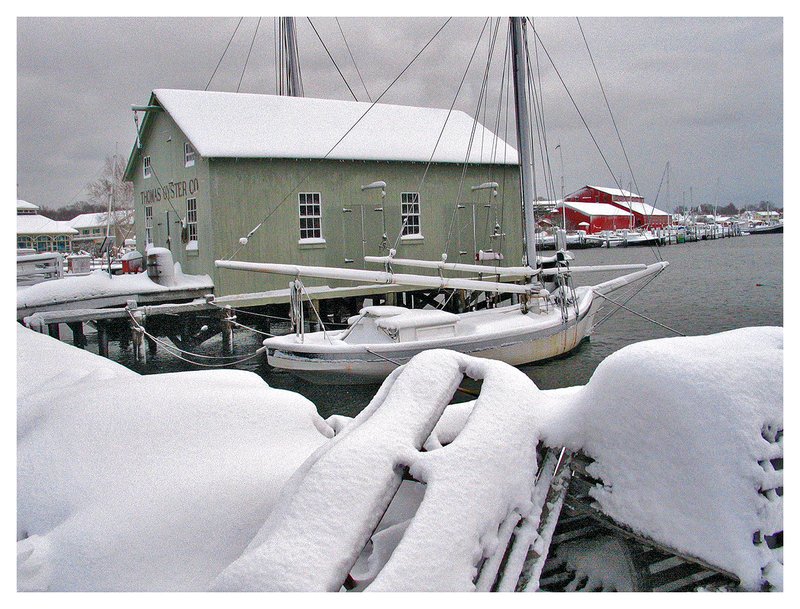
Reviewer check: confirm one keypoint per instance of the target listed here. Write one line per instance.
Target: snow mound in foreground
(179, 481)
(129, 482)
(679, 429)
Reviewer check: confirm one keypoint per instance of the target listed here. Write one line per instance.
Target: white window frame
(309, 209)
(148, 225)
(410, 208)
(188, 154)
(146, 168)
(191, 219)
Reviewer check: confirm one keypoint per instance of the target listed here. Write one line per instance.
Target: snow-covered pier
(671, 482)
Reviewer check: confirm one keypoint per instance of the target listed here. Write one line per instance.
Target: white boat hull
(545, 337)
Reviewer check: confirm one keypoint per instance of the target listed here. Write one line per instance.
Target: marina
(303, 343)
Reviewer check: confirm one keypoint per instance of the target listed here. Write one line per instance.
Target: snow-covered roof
(643, 208)
(25, 205)
(615, 192)
(221, 124)
(34, 224)
(94, 220)
(595, 209)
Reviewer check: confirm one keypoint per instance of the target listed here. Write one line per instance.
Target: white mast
(520, 69)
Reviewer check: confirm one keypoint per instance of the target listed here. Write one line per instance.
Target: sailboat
(549, 319)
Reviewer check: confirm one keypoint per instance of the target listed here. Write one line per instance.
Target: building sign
(173, 190)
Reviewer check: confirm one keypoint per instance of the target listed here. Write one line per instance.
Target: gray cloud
(705, 94)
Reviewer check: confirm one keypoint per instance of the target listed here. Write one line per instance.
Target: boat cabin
(399, 324)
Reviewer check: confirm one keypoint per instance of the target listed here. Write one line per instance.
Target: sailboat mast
(520, 78)
(290, 84)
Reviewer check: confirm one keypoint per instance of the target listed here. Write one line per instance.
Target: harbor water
(709, 286)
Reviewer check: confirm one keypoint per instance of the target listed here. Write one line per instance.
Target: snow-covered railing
(35, 268)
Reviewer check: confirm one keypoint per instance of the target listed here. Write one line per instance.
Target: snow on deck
(175, 493)
(129, 482)
(98, 284)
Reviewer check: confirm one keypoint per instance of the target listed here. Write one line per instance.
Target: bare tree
(110, 186)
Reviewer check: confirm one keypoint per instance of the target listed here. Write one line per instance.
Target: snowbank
(129, 482)
(176, 491)
(677, 429)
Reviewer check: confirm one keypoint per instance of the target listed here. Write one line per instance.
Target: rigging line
(534, 95)
(605, 98)
(577, 109)
(275, 55)
(658, 191)
(650, 319)
(619, 136)
(538, 107)
(627, 297)
(245, 312)
(469, 145)
(546, 156)
(250, 50)
(507, 87)
(441, 131)
(339, 141)
(208, 84)
(236, 323)
(165, 192)
(335, 65)
(349, 52)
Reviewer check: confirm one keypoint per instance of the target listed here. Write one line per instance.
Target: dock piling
(228, 319)
(78, 337)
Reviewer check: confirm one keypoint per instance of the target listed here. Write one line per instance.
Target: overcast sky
(705, 94)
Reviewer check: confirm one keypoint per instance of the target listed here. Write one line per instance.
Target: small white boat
(638, 237)
(765, 229)
(606, 238)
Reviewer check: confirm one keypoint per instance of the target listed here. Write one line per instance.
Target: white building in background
(41, 233)
(92, 229)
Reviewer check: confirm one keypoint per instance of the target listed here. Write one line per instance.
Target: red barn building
(593, 217)
(643, 214)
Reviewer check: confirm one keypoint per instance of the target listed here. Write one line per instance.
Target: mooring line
(170, 348)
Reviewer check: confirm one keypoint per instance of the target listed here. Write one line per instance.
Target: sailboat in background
(549, 319)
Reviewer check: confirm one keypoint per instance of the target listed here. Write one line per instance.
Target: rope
(335, 65)
(236, 323)
(471, 139)
(439, 138)
(223, 54)
(651, 320)
(243, 242)
(628, 296)
(577, 109)
(169, 348)
(602, 89)
(355, 65)
(250, 50)
(245, 312)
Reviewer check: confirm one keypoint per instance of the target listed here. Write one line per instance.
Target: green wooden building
(210, 167)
